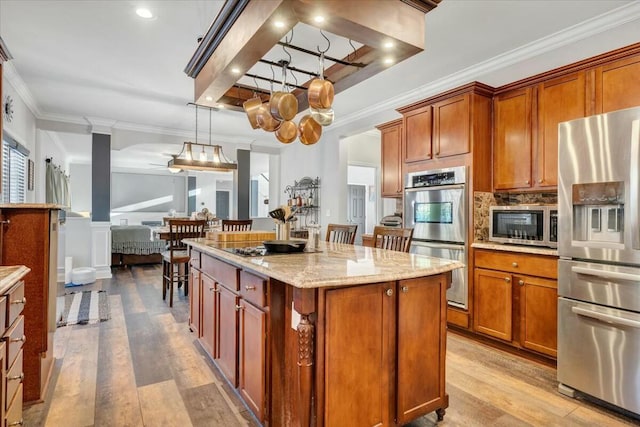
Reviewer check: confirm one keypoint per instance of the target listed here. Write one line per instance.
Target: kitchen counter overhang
(335, 264)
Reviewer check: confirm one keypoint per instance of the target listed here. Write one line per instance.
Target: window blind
(14, 171)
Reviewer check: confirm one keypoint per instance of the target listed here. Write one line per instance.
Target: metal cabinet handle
(22, 338)
(212, 289)
(521, 282)
(249, 288)
(16, 423)
(17, 377)
(526, 182)
(389, 292)
(507, 279)
(20, 301)
(405, 289)
(239, 307)
(515, 264)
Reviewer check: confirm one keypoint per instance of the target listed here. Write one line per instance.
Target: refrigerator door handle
(606, 274)
(607, 318)
(634, 177)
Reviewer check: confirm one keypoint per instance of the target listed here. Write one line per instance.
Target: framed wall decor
(30, 172)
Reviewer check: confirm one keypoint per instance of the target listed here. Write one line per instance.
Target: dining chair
(341, 233)
(392, 238)
(236, 224)
(175, 261)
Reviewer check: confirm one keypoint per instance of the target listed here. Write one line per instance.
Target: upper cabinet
(391, 145)
(451, 126)
(618, 85)
(417, 134)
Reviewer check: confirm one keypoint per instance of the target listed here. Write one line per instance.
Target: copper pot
(320, 93)
(283, 105)
(265, 120)
(251, 107)
(287, 132)
(324, 116)
(309, 130)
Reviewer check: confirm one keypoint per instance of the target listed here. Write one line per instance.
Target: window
(14, 171)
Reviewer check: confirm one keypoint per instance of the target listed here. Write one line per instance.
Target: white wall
(364, 175)
(80, 187)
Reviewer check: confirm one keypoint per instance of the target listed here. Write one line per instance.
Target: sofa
(134, 245)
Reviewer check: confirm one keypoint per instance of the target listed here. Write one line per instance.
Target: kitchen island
(346, 335)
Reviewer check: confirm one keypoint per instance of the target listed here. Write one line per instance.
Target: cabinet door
(227, 354)
(417, 135)
(512, 140)
(618, 85)
(357, 351)
(559, 100)
(252, 358)
(492, 299)
(451, 125)
(209, 324)
(391, 166)
(539, 314)
(195, 291)
(420, 338)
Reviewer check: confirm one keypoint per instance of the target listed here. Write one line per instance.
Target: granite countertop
(536, 250)
(30, 206)
(9, 275)
(335, 264)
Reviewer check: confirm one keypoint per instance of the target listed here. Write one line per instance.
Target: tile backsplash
(482, 201)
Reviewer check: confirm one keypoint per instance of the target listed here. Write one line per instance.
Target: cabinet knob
(521, 282)
(540, 181)
(239, 307)
(20, 301)
(507, 279)
(249, 288)
(389, 292)
(515, 264)
(212, 289)
(527, 182)
(405, 289)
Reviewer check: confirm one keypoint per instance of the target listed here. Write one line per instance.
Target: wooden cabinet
(417, 134)
(195, 311)
(392, 338)
(209, 304)
(515, 299)
(252, 358)
(391, 146)
(452, 126)
(227, 328)
(618, 85)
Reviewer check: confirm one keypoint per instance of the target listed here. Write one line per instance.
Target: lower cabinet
(513, 303)
(252, 357)
(227, 328)
(209, 305)
(195, 311)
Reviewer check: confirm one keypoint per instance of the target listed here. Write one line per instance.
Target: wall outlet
(328, 212)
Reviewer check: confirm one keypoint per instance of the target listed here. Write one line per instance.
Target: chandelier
(201, 157)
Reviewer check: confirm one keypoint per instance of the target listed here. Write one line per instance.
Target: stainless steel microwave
(535, 225)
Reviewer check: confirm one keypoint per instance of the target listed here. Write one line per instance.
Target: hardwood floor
(143, 368)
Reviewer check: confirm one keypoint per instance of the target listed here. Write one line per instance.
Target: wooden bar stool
(395, 239)
(340, 233)
(236, 224)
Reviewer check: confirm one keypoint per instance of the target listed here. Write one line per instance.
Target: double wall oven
(599, 248)
(435, 206)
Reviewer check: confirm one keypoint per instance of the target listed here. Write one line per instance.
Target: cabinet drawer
(15, 302)
(14, 336)
(14, 413)
(195, 258)
(223, 273)
(253, 288)
(529, 264)
(15, 377)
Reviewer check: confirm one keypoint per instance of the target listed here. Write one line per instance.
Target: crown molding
(14, 79)
(591, 27)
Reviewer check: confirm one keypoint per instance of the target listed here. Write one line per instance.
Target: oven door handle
(607, 318)
(606, 274)
(438, 245)
(435, 188)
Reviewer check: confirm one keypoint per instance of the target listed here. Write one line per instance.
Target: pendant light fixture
(210, 158)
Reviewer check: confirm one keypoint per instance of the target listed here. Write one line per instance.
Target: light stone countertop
(536, 250)
(30, 206)
(9, 275)
(336, 264)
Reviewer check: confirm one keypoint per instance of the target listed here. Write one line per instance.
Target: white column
(101, 249)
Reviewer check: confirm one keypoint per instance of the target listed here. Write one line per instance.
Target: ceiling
(98, 62)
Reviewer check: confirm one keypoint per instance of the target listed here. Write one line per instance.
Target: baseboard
(103, 272)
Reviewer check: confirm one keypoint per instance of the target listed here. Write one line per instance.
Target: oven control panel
(436, 178)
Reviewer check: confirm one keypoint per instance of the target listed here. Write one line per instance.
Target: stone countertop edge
(337, 265)
(30, 206)
(9, 275)
(515, 248)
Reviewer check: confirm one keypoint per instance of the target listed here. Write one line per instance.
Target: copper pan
(320, 93)
(251, 107)
(265, 120)
(287, 132)
(324, 116)
(283, 105)
(309, 130)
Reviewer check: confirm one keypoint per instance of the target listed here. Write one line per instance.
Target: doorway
(222, 204)
(356, 210)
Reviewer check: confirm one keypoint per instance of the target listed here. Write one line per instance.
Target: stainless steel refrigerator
(599, 267)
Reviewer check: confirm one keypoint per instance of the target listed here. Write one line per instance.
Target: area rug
(83, 308)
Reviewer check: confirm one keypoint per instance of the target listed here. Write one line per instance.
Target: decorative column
(304, 302)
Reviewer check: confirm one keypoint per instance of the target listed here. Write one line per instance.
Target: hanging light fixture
(210, 158)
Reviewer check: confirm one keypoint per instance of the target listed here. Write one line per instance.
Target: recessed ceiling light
(235, 70)
(279, 24)
(145, 13)
(318, 18)
(388, 45)
(388, 60)
(208, 98)
(220, 105)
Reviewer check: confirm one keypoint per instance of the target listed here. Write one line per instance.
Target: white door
(356, 209)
